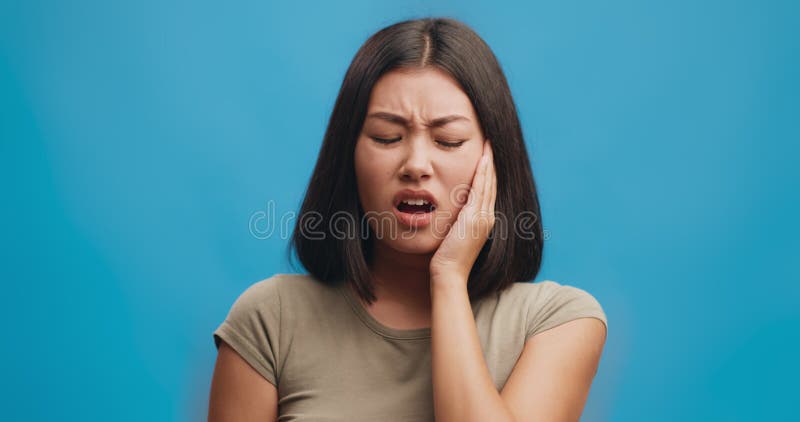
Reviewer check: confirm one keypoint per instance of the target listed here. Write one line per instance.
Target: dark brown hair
(452, 46)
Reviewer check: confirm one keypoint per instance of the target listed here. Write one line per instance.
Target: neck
(401, 278)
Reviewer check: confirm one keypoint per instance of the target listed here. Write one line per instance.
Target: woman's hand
(460, 248)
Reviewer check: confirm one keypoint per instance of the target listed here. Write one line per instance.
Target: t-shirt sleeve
(252, 328)
(555, 304)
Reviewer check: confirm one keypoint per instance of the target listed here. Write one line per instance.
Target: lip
(413, 220)
(418, 194)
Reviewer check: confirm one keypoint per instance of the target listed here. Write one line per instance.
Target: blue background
(139, 139)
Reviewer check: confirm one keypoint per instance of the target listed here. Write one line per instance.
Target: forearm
(463, 389)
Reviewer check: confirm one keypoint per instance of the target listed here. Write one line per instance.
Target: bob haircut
(344, 254)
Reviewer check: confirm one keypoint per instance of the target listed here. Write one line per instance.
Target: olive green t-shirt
(332, 361)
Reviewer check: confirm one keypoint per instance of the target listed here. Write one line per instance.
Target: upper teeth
(415, 201)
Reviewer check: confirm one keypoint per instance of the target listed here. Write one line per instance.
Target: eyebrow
(437, 122)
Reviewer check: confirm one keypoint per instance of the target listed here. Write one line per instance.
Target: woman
(419, 230)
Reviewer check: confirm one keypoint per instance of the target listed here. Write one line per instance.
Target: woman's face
(406, 151)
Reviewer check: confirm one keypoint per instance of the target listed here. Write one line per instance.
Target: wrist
(448, 278)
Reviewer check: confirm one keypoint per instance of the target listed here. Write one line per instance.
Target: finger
(492, 183)
(476, 192)
(484, 177)
(493, 194)
(491, 187)
(487, 183)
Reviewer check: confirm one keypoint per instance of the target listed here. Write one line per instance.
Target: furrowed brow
(400, 120)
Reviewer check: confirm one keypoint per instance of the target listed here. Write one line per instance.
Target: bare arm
(238, 392)
(552, 377)
(463, 389)
(550, 381)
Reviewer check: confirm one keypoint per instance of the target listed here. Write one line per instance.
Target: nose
(417, 164)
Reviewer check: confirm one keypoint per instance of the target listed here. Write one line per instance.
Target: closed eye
(451, 144)
(445, 144)
(384, 141)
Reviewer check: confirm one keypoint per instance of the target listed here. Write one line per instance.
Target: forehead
(423, 94)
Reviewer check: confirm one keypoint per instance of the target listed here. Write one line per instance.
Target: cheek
(458, 179)
(371, 174)
(373, 162)
(462, 169)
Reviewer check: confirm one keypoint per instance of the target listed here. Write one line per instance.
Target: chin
(419, 243)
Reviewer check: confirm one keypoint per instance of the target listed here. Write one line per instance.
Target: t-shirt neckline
(377, 326)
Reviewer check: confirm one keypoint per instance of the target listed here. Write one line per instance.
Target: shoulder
(549, 303)
(528, 291)
(284, 288)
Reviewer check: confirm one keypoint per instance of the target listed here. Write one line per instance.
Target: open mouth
(415, 206)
